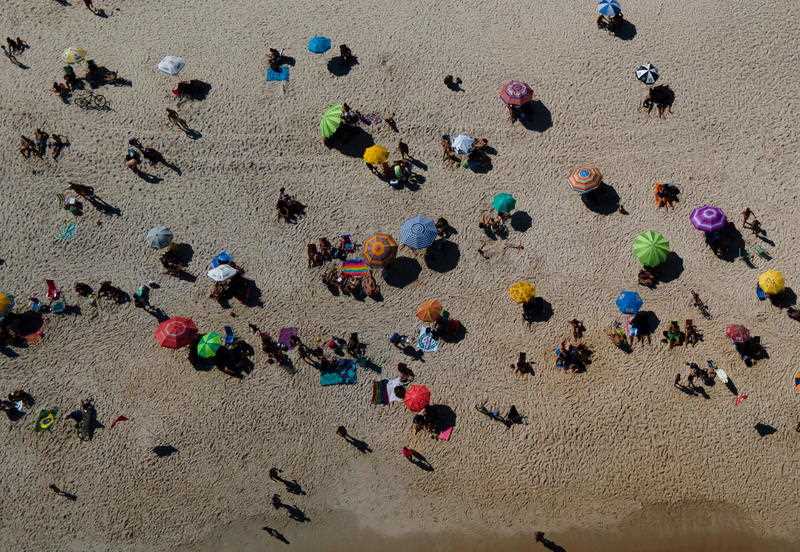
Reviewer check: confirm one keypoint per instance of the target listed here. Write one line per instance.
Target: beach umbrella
(515, 92)
(418, 232)
(737, 333)
(629, 302)
(74, 55)
(609, 8)
(585, 178)
(417, 398)
(504, 203)
(222, 272)
(354, 268)
(708, 218)
(463, 143)
(651, 248)
(175, 332)
(647, 73)
(430, 310)
(221, 258)
(331, 120)
(376, 155)
(522, 292)
(379, 249)
(319, 44)
(209, 344)
(159, 236)
(771, 282)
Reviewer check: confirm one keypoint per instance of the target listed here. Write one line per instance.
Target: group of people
(289, 209)
(40, 143)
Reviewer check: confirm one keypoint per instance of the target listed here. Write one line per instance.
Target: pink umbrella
(737, 333)
(515, 93)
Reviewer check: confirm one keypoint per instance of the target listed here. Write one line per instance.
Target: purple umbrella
(708, 218)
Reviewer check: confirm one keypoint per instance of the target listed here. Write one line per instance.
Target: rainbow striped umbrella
(515, 92)
(379, 249)
(585, 178)
(354, 268)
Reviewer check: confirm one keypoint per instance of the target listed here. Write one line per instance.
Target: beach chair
(761, 252)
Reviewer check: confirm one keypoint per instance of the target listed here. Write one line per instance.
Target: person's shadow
(274, 533)
(547, 543)
(421, 462)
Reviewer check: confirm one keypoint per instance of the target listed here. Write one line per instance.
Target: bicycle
(91, 100)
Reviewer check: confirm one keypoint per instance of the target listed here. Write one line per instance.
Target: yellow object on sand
(74, 55)
(771, 282)
(376, 155)
(522, 292)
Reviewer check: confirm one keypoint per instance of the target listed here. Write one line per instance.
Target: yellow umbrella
(771, 282)
(375, 155)
(74, 55)
(522, 292)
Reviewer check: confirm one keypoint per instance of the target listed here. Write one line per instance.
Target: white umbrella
(222, 272)
(647, 73)
(463, 143)
(171, 65)
(159, 236)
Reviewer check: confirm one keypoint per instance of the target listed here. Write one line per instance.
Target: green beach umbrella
(209, 344)
(504, 203)
(651, 248)
(331, 120)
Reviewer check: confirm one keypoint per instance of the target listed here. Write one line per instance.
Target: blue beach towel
(344, 374)
(282, 75)
(760, 293)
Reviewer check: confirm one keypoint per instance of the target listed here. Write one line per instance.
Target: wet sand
(691, 527)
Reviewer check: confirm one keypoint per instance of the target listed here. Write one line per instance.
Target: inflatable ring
(46, 421)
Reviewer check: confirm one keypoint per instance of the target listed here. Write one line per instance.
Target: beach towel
(391, 385)
(445, 435)
(67, 231)
(282, 75)
(379, 395)
(344, 374)
(426, 342)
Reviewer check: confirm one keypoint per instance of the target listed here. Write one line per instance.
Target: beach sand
(608, 456)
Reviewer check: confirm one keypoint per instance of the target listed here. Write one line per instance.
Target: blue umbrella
(319, 44)
(223, 257)
(418, 232)
(609, 8)
(629, 302)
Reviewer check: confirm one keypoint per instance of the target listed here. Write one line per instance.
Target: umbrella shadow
(537, 310)
(625, 31)
(671, 269)
(727, 243)
(338, 67)
(521, 221)
(442, 256)
(764, 429)
(603, 200)
(535, 116)
(402, 272)
(350, 141)
(647, 322)
(785, 299)
(441, 416)
(182, 253)
(163, 451)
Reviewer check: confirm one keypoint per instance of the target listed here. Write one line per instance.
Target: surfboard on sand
(722, 375)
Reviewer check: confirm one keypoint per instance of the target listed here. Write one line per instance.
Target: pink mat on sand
(445, 435)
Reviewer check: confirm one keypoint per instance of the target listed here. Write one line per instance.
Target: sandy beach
(614, 458)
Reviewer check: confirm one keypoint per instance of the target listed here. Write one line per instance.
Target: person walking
(176, 120)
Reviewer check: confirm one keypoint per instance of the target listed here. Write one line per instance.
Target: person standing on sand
(89, 5)
(403, 148)
(176, 120)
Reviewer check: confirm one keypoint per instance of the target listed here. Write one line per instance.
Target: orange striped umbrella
(585, 178)
(380, 249)
(430, 311)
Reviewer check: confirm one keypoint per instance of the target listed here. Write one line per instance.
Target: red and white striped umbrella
(585, 178)
(176, 332)
(515, 92)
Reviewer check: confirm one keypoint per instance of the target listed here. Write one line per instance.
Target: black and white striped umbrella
(647, 73)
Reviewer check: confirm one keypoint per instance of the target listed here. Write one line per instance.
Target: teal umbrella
(504, 203)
